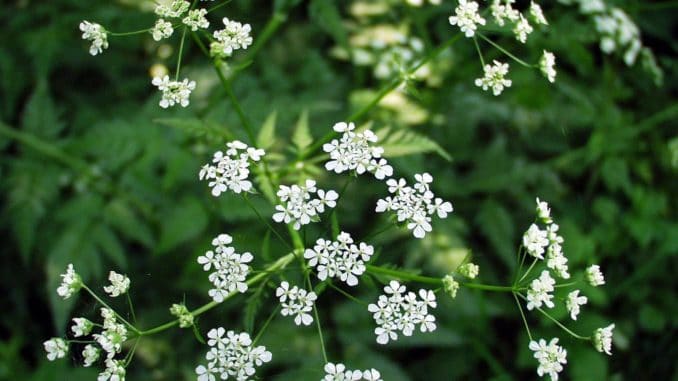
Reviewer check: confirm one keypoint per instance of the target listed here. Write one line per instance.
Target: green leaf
(41, 117)
(266, 136)
(497, 226)
(198, 128)
(403, 142)
(301, 137)
(326, 15)
(183, 222)
(109, 244)
(118, 215)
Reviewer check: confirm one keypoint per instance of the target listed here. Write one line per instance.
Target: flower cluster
(119, 284)
(231, 356)
(401, 311)
(183, 314)
(174, 10)
(95, 33)
(494, 77)
(503, 12)
(113, 334)
(296, 302)
(352, 152)
(231, 170)
(551, 357)
(467, 18)
(162, 29)
(594, 276)
(539, 291)
(299, 206)
(537, 242)
(56, 348)
(338, 372)
(230, 268)
(341, 258)
(573, 302)
(174, 92)
(414, 205)
(234, 36)
(70, 283)
(196, 19)
(547, 65)
(602, 339)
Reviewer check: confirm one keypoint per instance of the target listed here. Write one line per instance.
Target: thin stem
(521, 260)
(522, 315)
(270, 227)
(276, 20)
(528, 270)
(506, 52)
(236, 105)
(130, 354)
(131, 307)
(266, 323)
(214, 8)
(317, 320)
(376, 233)
(403, 275)
(116, 34)
(559, 324)
(488, 287)
(117, 315)
(181, 53)
(480, 54)
(346, 294)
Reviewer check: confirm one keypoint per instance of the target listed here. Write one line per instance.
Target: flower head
(469, 270)
(534, 241)
(494, 78)
(302, 204)
(185, 316)
(537, 14)
(96, 34)
(230, 268)
(231, 169)
(352, 152)
(56, 348)
(543, 211)
(539, 291)
(162, 29)
(174, 92)
(594, 276)
(341, 259)
(338, 372)
(573, 302)
(70, 283)
(234, 36)
(551, 357)
(90, 355)
(196, 19)
(115, 371)
(82, 327)
(296, 302)
(467, 17)
(174, 10)
(547, 64)
(602, 339)
(231, 355)
(504, 11)
(450, 285)
(119, 284)
(522, 29)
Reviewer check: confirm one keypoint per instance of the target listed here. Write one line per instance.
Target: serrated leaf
(109, 243)
(301, 137)
(118, 215)
(182, 222)
(266, 136)
(496, 225)
(403, 142)
(40, 116)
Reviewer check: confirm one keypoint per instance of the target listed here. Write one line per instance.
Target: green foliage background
(93, 172)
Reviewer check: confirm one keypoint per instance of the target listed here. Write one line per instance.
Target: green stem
(559, 324)
(403, 275)
(115, 34)
(270, 227)
(130, 354)
(117, 315)
(317, 320)
(522, 315)
(236, 105)
(131, 307)
(281, 263)
(214, 8)
(181, 53)
(346, 294)
(518, 60)
(488, 287)
(480, 54)
(527, 272)
(266, 323)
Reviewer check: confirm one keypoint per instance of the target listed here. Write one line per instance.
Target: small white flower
(556, 260)
(547, 65)
(602, 339)
(594, 276)
(500, 12)
(494, 78)
(341, 259)
(522, 29)
(234, 36)
(82, 327)
(537, 14)
(539, 291)
(174, 92)
(119, 284)
(543, 210)
(534, 241)
(450, 286)
(299, 206)
(230, 268)
(296, 302)
(56, 348)
(353, 152)
(573, 302)
(96, 34)
(469, 270)
(232, 356)
(231, 171)
(70, 283)
(175, 9)
(90, 355)
(467, 17)
(196, 19)
(551, 357)
(115, 371)
(162, 29)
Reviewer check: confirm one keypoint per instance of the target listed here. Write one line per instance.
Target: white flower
(574, 300)
(543, 210)
(414, 205)
(174, 92)
(469, 270)
(296, 302)
(591, 6)
(539, 291)
(594, 276)
(299, 206)
(119, 284)
(115, 371)
(90, 355)
(113, 335)
(556, 260)
(522, 29)
(352, 152)
(338, 372)
(401, 311)
(232, 356)
(372, 375)
(82, 327)
(467, 17)
(231, 170)
(96, 34)
(534, 241)
(176, 9)
(234, 36)
(196, 19)
(602, 339)
(230, 268)
(56, 348)
(70, 283)
(537, 14)
(547, 65)
(162, 29)
(503, 11)
(450, 285)
(341, 259)
(494, 77)
(551, 357)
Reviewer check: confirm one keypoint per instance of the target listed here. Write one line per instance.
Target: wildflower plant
(296, 203)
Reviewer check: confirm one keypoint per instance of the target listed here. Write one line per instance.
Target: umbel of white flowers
(230, 268)
(296, 302)
(342, 258)
(231, 355)
(352, 152)
(231, 170)
(302, 204)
